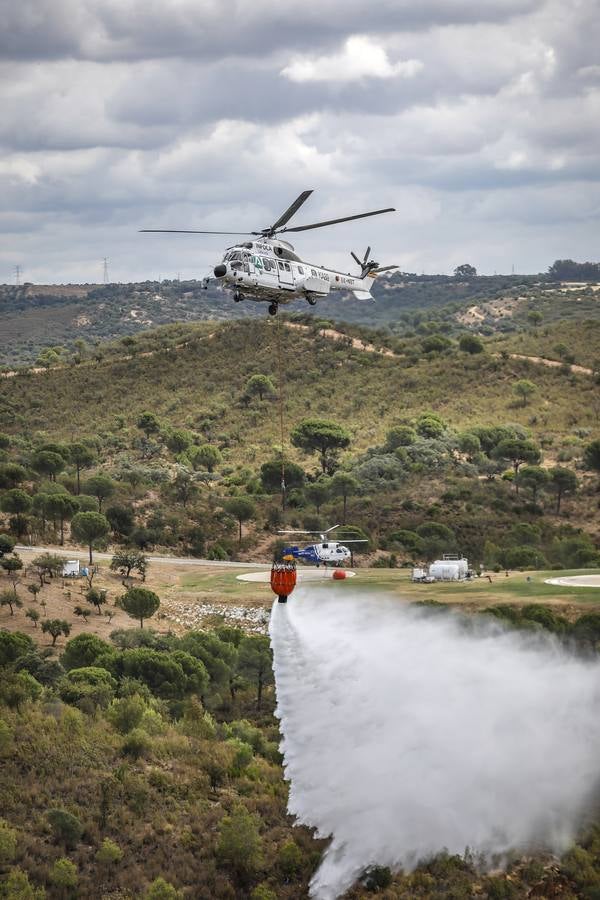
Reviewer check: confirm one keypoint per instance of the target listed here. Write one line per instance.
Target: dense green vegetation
(50, 323)
(385, 444)
(148, 766)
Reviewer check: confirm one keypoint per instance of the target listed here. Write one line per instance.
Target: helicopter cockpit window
(325, 546)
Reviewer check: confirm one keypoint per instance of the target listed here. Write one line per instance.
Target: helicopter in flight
(324, 552)
(266, 269)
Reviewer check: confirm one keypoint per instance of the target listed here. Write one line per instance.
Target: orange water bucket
(283, 579)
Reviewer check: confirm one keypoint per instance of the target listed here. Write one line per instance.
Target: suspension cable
(281, 387)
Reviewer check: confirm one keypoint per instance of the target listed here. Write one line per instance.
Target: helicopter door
(286, 276)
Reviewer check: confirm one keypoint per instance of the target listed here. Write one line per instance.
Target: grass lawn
(478, 593)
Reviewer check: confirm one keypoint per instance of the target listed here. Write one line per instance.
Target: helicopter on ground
(268, 269)
(324, 552)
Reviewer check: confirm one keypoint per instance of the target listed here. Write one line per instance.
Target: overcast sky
(479, 121)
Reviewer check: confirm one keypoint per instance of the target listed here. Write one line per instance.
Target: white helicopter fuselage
(332, 552)
(325, 552)
(269, 270)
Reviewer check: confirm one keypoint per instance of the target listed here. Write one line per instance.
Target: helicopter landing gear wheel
(272, 309)
(237, 296)
(312, 301)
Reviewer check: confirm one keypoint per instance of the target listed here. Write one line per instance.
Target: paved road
(165, 560)
(576, 581)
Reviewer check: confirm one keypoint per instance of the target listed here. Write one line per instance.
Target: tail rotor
(369, 266)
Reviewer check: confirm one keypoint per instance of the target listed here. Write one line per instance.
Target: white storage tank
(449, 569)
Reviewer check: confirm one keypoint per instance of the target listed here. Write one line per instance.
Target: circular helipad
(585, 581)
(302, 574)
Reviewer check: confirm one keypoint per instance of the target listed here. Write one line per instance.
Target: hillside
(199, 377)
(452, 409)
(143, 764)
(36, 317)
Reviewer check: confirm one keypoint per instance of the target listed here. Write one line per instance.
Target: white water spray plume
(406, 732)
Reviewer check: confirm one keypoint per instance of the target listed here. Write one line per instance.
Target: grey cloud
(133, 29)
(123, 114)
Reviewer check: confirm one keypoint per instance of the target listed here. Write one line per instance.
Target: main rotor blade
(298, 532)
(356, 259)
(191, 231)
(333, 527)
(367, 251)
(376, 212)
(385, 268)
(287, 215)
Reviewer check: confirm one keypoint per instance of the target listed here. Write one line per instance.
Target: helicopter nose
(220, 271)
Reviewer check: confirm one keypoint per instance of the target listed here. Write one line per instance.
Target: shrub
(263, 892)
(523, 558)
(536, 612)
(8, 843)
(469, 343)
(6, 739)
(239, 845)
(137, 744)
(162, 890)
(66, 828)
(376, 878)
(127, 713)
(289, 860)
(64, 874)
(82, 651)
(109, 853)
(18, 887)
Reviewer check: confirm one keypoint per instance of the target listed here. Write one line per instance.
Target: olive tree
(126, 561)
(56, 627)
(47, 564)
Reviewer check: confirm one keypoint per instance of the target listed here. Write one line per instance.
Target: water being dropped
(407, 732)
